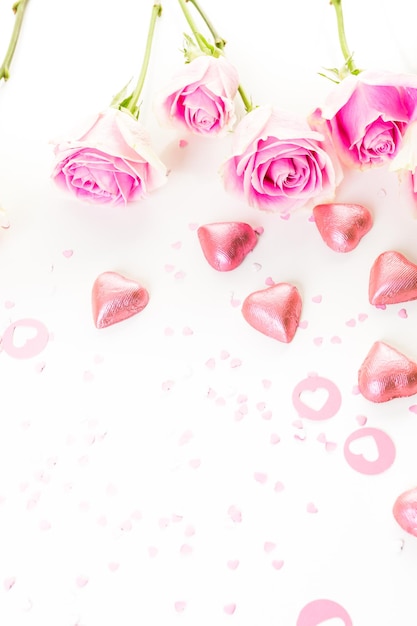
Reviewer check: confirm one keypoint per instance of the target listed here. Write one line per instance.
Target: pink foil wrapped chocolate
(226, 244)
(392, 279)
(386, 374)
(116, 298)
(342, 226)
(274, 311)
(405, 511)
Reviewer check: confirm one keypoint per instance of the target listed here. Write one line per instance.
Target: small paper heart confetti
(405, 511)
(342, 226)
(274, 311)
(392, 279)
(226, 244)
(386, 374)
(116, 298)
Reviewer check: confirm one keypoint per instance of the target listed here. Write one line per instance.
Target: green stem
(347, 55)
(246, 101)
(19, 10)
(199, 39)
(219, 42)
(133, 99)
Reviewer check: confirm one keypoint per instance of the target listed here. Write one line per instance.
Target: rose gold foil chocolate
(226, 244)
(405, 511)
(393, 279)
(115, 298)
(342, 226)
(386, 374)
(274, 311)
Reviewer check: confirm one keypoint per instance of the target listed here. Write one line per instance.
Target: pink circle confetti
(366, 442)
(32, 346)
(319, 611)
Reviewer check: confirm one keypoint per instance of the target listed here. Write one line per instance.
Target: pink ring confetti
(319, 611)
(312, 384)
(385, 448)
(33, 346)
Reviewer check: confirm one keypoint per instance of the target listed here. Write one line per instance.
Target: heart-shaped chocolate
(386, 374)
(405, 511)
(115, 298)
(342, 226)
(226, 244)
(274, 311)
(392, 279)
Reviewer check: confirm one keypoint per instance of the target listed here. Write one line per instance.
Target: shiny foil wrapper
(342, 226)
(226, 244)
(386, 374)
(405, 511)
(392, 279)
(274, 311)
(116, 298)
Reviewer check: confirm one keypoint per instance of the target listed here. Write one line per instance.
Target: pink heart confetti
(116, 298)
(269, 546)
(229, 609)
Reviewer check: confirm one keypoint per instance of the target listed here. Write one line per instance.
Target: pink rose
(366, 116)
(200, 97)
(279, 163)
(112, 162)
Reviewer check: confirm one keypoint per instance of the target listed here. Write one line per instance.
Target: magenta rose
(112, 162)
(367, 115)
(200, 97)
(279, 163)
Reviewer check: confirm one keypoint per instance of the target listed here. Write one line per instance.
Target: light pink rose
(111, 162)
(279, 163)
(367, 115)
(200, 97)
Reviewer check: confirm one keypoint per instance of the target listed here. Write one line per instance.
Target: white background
(124, 462)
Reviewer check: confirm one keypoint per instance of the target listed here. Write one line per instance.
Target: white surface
(123, 458)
